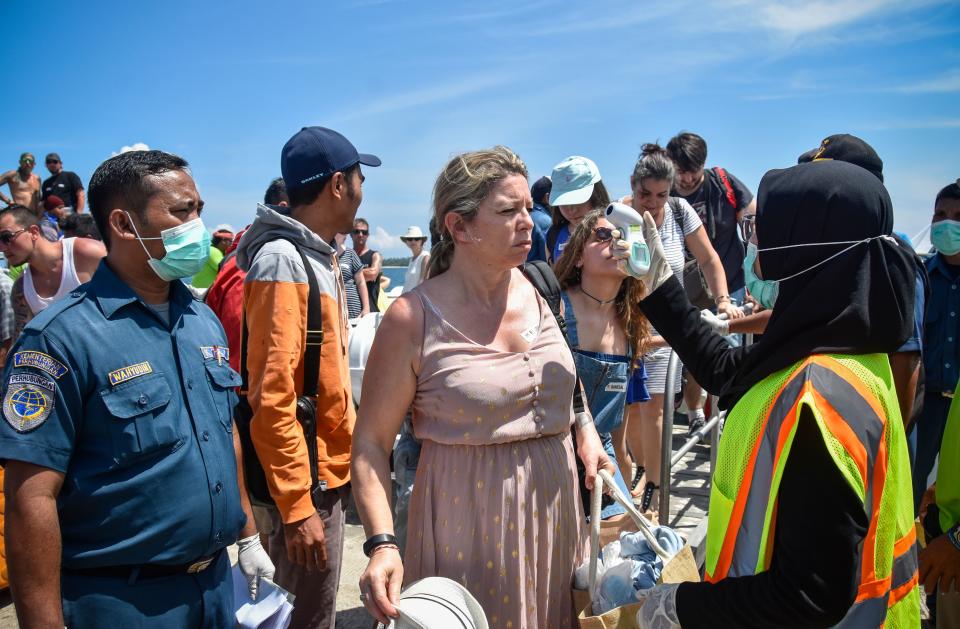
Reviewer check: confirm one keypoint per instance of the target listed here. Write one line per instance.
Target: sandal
(648, 490)
(637, 476)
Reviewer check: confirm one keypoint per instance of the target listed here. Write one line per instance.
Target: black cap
(52, 156)
(844, 147)
(540, 187)
(316, 153)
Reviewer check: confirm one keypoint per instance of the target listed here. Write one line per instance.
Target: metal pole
(714, 435)
(666, 442)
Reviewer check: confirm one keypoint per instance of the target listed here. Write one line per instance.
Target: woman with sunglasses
(605, 328)
(651, 181)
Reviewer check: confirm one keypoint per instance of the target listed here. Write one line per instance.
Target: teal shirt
(137, 415)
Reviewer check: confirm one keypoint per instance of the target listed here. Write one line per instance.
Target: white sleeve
(691, 220)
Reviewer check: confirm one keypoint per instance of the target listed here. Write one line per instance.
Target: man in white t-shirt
(53, 268)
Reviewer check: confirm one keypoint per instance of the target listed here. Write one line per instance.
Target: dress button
(205, 435)
(526, 357)
(218, 487)
(189, 383)
(218, 537)
(143, 400)
(530, 373)
(953, 314)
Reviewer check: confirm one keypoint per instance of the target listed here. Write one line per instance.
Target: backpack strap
(541, 276)
(728, 188)
(311, 362)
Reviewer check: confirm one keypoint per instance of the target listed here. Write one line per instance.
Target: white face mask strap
(819, 244)
(824, 261)
(137, 234)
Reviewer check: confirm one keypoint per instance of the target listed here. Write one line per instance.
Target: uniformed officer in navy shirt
(121, 476)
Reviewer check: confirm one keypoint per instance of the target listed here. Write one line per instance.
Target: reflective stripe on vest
(849, 413)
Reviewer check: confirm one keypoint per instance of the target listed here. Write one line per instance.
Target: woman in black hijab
(842, 286)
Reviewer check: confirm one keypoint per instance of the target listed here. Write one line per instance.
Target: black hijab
(860, 302)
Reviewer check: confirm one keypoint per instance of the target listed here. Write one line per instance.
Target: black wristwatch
(378, 540)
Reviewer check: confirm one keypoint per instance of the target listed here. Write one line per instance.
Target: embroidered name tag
(129, 373)
(616, 387)
(29, 401)
(41, 361)
(216, 352)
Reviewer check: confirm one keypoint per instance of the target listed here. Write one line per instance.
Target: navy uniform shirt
(941, 329)
(137, 415)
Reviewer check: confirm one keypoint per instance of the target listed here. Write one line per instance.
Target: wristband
(720, 298)
(953, 535)
(379, 540)
(382, 547)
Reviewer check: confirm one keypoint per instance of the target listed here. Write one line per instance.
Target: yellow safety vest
(853, 401)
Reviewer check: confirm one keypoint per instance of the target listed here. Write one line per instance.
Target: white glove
(254, 563)
(720, 326)
(659, 609)
(659, 270)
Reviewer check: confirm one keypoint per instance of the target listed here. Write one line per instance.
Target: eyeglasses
(747, 225)
(7, 237)
(361, 232)
(603, 234)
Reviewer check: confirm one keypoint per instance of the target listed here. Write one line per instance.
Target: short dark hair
(307, 194)
(24, 216)
(688, 151)
(361, 220)
(81, 226)
(276, 192)
(121, 181)
(950, 192)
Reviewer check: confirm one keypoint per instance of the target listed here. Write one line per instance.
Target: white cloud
(950, 82)
(799, 18)
(381, 240)
(136, 146)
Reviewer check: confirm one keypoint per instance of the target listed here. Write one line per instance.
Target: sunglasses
(361, 232)
(747, 226)
(603, 234)
(7, 237)
(27, 161)
(53, 161)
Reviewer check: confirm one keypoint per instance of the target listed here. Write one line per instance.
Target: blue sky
(225, 85)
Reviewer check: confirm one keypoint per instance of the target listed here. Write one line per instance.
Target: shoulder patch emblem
(129, 373)
(216, 352)
(40, 361)
(28, 402)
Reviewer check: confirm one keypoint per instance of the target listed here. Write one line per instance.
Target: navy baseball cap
(316, 153)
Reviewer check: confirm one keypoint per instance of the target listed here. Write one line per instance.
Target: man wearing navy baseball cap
(288, 254)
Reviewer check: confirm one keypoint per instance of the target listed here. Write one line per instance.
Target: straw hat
(413, 232)
(438, 603)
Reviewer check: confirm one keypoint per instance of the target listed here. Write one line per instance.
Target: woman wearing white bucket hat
(419, 261)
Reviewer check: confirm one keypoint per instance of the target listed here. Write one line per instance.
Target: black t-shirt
(373, 288)
(722, 230)
(65, 185)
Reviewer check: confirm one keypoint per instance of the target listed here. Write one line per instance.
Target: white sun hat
(438, 603)
(413, 232)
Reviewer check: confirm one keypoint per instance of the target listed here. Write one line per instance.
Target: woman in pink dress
(479, 356)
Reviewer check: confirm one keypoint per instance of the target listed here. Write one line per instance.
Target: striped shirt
(349, 265)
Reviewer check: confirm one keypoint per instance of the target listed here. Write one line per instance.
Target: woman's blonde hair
(463, 183)
(627, 302)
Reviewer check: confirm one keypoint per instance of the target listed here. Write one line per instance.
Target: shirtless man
(24, 185)
(54, 268)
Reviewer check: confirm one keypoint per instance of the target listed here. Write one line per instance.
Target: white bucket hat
(413, 232)
(438, 603)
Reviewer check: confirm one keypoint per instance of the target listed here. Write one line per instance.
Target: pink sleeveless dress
(496, 503)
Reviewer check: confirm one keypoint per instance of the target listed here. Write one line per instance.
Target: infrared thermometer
(630, 224)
